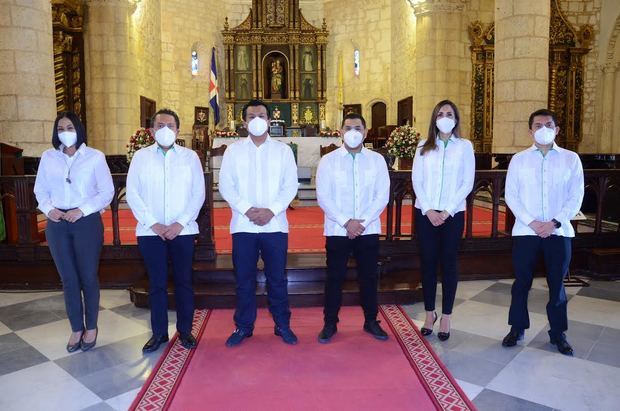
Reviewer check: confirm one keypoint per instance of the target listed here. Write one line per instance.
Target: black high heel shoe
(443, 336)
(76, 346)
(87, 346)
(428, 331)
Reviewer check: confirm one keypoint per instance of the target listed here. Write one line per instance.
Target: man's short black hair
(168, 112)
(353, 116)
(255, 103)
(542, 112)
(77, 125)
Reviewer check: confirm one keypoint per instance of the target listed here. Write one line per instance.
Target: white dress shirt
(444, 177)
(264, 177)
(166, 188)
(544, 188)
(352, 186)
(91, 188)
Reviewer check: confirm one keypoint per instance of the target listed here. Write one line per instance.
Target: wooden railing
(488, 192)
(599, 230)
(21, 214)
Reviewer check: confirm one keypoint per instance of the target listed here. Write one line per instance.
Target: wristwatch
(556, 223)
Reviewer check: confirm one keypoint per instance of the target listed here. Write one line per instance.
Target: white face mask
(165, 137)
(445, 124)
(257, 126)
(544, 136)
(353, 138)
(68, 138)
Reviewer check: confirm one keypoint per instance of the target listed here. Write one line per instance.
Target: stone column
(521, 69)
(609, 86)
(443, 62)
(27, 91)
(110, 90)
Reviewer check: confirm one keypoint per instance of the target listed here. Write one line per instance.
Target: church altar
(308, 148)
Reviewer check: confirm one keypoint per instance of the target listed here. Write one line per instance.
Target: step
(398, 290)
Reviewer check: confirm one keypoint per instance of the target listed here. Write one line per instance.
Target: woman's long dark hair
(433, 131)
(77, 124)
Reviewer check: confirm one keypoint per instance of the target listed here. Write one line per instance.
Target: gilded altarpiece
(68, 19)
(277, 56)
(482, 54)
(567, 48)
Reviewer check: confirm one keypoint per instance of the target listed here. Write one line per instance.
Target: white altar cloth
(308, 148)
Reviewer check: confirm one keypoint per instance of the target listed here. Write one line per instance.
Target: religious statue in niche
(276, 77)
(308, 88)
(243, 62)
(276, 113)
(307, 63)
(244, 89)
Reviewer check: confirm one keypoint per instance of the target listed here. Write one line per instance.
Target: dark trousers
(156, 253)
(75, 248)
(365, 249)
(557, 254)
(272, 248)
(439, 246)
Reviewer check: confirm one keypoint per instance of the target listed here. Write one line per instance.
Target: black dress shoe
(327, 333)
(443, 336)
(287, 335)
(187, 340)
(373, 327)
(154, 343)
(428, 331)
(563, 346)
(510, 340)
(237, 336)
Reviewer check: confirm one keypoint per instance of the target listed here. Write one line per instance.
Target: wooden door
(405, 111)
(379, 116)
(148, 108)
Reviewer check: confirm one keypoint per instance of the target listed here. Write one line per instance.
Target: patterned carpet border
(438, 382)
(158, 390)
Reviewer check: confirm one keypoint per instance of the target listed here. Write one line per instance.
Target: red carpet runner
(353, 372)
(305, 231)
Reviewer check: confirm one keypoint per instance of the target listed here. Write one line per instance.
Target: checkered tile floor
(36, 373)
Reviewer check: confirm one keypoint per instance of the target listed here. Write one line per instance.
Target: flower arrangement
(225, 133)
(403, 141)
(326, 132)
(143, 137)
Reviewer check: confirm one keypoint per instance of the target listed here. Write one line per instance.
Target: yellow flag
(340, 98)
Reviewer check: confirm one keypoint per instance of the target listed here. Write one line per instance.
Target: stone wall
(145, 35)
(367, 26)
(403, 79)
(27, 94)
(185, 26)
(578, 13)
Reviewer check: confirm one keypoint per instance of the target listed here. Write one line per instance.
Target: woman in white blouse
(73, 185)
(443, 176)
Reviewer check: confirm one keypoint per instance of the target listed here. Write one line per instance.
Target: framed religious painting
(201, 116)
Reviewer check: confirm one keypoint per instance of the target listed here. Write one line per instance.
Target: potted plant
(402, 144)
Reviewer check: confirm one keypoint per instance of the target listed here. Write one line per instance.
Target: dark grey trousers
(75, 248)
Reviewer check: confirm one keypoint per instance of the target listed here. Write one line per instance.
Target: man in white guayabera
(258, 179)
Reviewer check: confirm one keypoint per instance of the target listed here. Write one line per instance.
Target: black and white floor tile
(36, 373)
